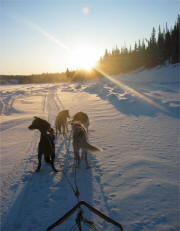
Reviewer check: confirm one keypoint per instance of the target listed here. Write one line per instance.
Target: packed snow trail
(134, 180)
(34, 189)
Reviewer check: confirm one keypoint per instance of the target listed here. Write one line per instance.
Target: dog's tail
(91, 148)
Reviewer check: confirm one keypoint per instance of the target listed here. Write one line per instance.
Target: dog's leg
(46, 158)
(39, 161)
(64, 131)
(52, 164)
(59, 128)
(52, 159)
(77, 158)
(67, 127)
(85, 158)
(76, 155)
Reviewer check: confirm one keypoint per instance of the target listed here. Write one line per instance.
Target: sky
(39, 36)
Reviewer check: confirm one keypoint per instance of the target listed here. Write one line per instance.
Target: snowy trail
(36, 190)
(134, 180)
(28, 192)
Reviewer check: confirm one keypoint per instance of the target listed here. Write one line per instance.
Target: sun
(83, 57)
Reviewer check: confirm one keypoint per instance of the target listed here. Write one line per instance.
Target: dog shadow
(86, 181)
(70, 180)
(90, 187)
(40, 197)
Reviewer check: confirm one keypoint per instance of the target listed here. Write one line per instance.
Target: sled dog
(46, 145)
(83, 118)
(79, 134)
(61, 123)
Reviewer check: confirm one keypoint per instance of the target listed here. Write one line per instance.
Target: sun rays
(85, 57)
(130, 90)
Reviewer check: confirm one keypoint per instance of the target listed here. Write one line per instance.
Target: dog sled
(81, 219)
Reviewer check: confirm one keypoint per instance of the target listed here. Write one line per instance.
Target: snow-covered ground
(134, 180)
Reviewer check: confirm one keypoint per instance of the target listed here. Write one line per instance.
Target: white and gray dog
(80, 125)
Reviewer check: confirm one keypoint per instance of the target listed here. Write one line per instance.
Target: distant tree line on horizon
(68, 76)
(160, 48)
(34, 78)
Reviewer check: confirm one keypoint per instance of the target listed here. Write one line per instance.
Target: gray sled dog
(61, 124)
(83, 118)
(79, 134)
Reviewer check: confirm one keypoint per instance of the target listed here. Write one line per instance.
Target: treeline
(163, 46)
(35, 78)
(81, 75)
(68, 76)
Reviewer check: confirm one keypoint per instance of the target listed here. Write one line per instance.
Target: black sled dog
(46, 144)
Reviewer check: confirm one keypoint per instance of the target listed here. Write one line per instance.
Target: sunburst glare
(83, 57)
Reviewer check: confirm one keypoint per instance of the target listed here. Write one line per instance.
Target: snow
(134, 180)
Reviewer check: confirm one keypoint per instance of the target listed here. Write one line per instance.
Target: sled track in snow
(87, 180)
(31, 182)
(6, 104)
(8, 98)
(29, 179)
(29, 165)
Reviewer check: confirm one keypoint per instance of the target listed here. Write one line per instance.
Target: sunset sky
(39, 36)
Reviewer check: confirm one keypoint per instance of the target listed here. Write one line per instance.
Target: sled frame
(92, 209)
